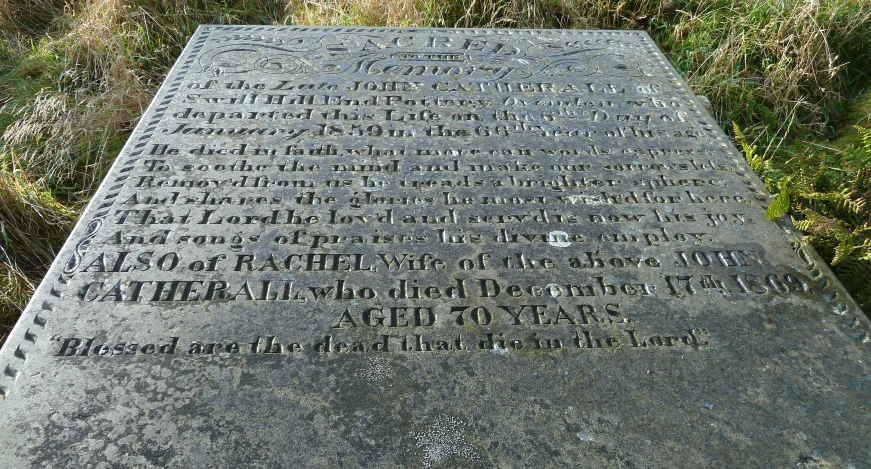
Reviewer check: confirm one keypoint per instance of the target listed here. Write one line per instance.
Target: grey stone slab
(351, 247)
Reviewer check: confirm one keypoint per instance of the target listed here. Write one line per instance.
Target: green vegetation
(75, 76)
(826, 188)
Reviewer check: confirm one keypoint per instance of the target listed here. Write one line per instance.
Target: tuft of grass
(775, 68)
(358, 13)
(33, 220)
(16, 287)
(68, 141)
(28, 17)
(33, 223)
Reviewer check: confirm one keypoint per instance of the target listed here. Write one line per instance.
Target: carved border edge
(105, 198)
(38, 311)
(376, 29)
(844, 308)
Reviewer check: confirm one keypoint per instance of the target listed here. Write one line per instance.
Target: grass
(826, 189)
(75, 75)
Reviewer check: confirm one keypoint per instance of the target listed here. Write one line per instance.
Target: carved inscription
(389, 247)
(428, 193)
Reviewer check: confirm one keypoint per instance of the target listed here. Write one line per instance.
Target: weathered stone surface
(328, 247)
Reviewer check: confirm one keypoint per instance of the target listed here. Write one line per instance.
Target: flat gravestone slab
(351, 247)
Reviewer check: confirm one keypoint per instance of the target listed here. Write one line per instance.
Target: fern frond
(757, 164)
(865, 137)
(780, 206)
(803, 225)
(842, 201)
(843, 250)
(811, 239)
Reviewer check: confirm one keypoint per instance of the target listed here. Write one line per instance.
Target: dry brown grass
(31, 220)
(65, 140)
(32, 226)
(470, 13)
(29, 17)
(785, 72)
(16, 287)
(93, 50)
(358, 12)
(67, 135)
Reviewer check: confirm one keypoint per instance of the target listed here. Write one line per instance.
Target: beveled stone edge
(22, 337)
